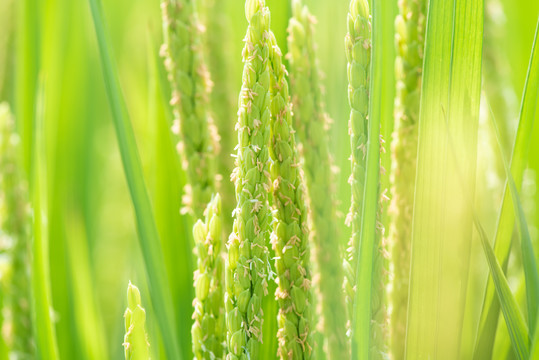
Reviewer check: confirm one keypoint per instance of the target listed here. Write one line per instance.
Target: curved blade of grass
(146, 227)
(502, 242)
(503, 347)
(531, 275)
(511, 313)
(362, 317)
(44, 331)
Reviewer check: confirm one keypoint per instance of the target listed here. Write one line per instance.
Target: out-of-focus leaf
(40, 279)
(502, 242)
(528, 257)
(147, 229)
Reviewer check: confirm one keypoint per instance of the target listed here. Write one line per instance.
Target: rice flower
(290, 237)
(247, 264)
(190, 83)
(218, 40)
(136, 343)
(358, 52)
(312, 124)
(208, 330)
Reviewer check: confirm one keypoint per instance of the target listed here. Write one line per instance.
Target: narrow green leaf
(442, 224)
(369, 238)
(514, 319)
(528, 256)
(40, 278)
(502, 242)
(147, 229)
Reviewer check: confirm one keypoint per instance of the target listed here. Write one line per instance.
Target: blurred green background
(93, 246)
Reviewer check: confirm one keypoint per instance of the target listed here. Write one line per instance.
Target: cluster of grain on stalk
(190, 84)
(358, 53)
(290, 232)
(312, 124)
(218, 40)
(247, 266)
(255, 261)
(136, 343)
(208, 329)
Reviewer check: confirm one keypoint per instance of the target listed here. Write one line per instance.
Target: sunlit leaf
(511, 312)
(490, 310)
(442, 222)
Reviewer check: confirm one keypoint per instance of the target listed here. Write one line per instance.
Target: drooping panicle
(208, 330)
(312, 125)
(410, 32)
(136, 343)
(290, 236)
(248, 264)
(190, 83)
(15, 237)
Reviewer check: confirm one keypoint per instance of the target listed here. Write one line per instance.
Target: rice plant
(136, 340)
(208, 329)
(300, 179)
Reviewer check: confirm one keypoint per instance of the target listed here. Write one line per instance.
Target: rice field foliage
(282, 179)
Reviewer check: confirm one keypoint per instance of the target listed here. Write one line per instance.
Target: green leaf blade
(514, 319)
(502, 242)
(364, 340)
(44, 331)
(146, 226)
(528, 258)
(442, 222)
